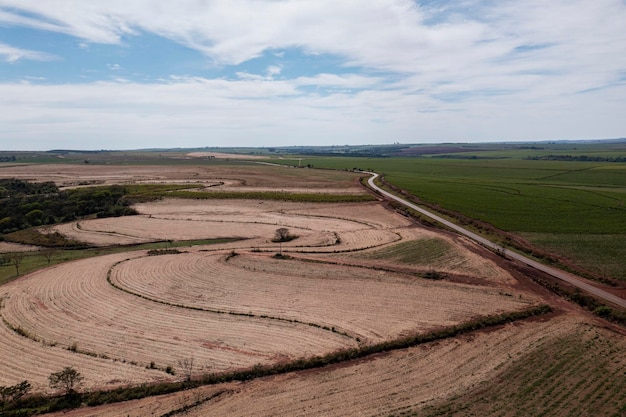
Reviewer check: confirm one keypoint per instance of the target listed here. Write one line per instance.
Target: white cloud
(343, 81)
(390, 35)
(12, 54)
(202, 112)
(273, 70)
(419, 71)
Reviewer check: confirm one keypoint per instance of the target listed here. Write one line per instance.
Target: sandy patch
(6, 247)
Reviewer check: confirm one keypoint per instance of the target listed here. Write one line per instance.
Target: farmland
(574, 209)
(371, 312)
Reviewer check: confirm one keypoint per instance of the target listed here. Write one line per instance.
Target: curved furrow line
(191, 286)
(388, 384)
(104, 321)
(259, 285)
(36, 362)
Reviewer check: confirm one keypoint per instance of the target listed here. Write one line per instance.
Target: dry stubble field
(352, 279)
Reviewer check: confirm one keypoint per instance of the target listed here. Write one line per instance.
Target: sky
(132, 74)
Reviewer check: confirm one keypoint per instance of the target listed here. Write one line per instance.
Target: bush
(156, 252)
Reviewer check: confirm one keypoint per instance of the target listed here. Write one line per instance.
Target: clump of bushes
(156, 252)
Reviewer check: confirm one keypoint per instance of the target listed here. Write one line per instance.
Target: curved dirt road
(555, 272)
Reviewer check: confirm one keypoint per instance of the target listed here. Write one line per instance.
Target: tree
(35, 217)
(67, 379)
(282, 235)
(186, 365)
(48, 253)
(16, 258)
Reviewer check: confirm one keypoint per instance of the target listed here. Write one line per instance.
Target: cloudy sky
(128, 74)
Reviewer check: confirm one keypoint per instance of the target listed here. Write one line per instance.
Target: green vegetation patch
(274, 195)
(148, 192)
(416, 252)
(568, 199)
(581, 374)
(42, 237)
(26, 205)
(601, 254)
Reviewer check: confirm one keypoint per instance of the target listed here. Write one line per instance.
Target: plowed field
(355, 275)
(146, 313)
(450, 377)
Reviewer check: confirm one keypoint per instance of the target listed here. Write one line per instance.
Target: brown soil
(111, 316)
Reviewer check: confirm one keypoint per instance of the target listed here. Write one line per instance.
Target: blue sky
(90, 74)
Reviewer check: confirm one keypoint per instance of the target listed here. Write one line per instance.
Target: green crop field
(572, 208)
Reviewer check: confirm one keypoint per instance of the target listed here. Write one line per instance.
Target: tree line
(579, 158)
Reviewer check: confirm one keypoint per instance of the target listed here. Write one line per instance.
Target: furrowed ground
(355, 275)
(231, 310)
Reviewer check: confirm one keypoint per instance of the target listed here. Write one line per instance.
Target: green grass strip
(273, 196)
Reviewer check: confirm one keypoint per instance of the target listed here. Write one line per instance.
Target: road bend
(555, 272)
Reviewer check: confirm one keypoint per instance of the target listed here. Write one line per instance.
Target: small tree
(186, 365)
(48, 253)
(16, 258)
(66, 379)
(282, 235)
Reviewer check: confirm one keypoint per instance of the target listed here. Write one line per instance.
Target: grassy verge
(41, 404)
(588, 302)
(148, 192)
(273, 195)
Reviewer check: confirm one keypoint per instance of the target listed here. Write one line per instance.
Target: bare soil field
(7, 247)
(355, 275)
(72, 306)
(370, 225)
(246, 177)
(232, 312)
(311, 293)
(421, 381)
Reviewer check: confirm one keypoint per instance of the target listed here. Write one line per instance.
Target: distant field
(555, 204)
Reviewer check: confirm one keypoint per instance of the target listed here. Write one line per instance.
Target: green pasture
(415, 252)
(577, 203)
